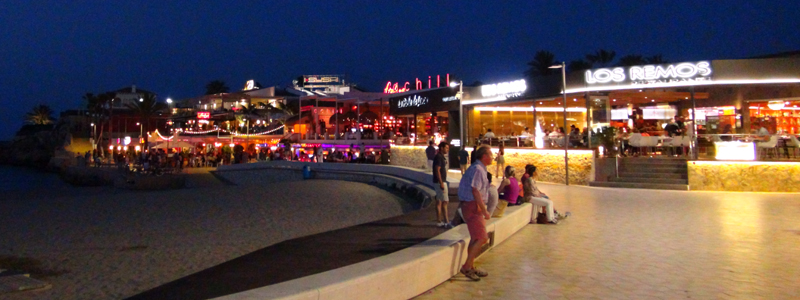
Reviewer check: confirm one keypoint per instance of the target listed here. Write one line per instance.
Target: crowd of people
(479, 199)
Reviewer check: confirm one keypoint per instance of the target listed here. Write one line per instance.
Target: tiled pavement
(645, 244)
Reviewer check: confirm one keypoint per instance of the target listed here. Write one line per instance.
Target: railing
(777, 147)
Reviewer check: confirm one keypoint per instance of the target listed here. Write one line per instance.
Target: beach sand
(114, 244)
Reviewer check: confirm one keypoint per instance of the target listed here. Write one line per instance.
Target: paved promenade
(643, 244)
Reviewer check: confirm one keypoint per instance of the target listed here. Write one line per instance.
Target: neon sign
(418, 84)
(250, 85)
(203, 115)
(511, 88)
(415, 100)
(392, 89)
(652, 74)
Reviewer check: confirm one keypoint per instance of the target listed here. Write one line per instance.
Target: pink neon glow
(418, 84)
(448, 79)
(429, 82)
(390, 89)
(438, 84)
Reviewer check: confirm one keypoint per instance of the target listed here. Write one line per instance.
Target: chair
(772, 144)
(675, 142)
(794, 144)
(635, 141)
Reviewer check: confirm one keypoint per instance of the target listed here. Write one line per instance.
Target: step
(654, 163)
(652, 160)
(652, 175)
(649, 180)
(630, 185)
(653, 169)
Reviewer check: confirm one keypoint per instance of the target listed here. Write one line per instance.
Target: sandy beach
(116, 244)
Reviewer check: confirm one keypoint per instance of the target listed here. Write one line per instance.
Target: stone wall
(744, 176)
(409, 156)
(550, 163)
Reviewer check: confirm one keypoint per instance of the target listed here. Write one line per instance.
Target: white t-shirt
(763, 131)
(488, 135)
(491, 203)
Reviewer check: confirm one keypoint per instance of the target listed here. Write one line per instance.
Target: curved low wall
(400, 275)
(412, 182)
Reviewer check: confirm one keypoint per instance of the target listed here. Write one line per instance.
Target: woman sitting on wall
(510, 189)
(535, 196)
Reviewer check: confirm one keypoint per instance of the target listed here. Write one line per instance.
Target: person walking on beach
(430, 152)
(440, 185)
(473, 191)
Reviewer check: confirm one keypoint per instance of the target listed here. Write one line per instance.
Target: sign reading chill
(651, 74)
(409, 101)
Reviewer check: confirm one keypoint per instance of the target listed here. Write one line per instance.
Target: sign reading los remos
(651, 74)
(509, 89)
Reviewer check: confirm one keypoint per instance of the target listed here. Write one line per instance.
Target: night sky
(55, 51)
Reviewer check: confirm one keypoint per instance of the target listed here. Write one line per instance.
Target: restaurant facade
(728, 111)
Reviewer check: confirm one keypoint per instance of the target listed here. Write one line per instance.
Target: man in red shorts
(473, 190)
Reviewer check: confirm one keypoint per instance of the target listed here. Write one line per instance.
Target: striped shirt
(476, 177)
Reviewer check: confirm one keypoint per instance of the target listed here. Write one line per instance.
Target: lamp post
(94, 136)
(563, 68)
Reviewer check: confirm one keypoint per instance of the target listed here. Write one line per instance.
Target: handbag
(541, 218)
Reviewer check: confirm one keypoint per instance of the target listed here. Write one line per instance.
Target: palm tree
(100, 107)
(578, 65)
(541, 63)
(216, 87)
(656, 60)
(631, 60)
(40, 115)
(146, 108)
(601, 58)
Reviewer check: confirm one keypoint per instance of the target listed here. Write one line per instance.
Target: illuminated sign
(451, 98)
(415, 100)
(509, 89)
(392, 89)
(619, 114)
(418, 84)
(335, 79)
(735, 151)
(203, 115)
(651, 74)
(425, 101)
(658, 113)
(250, 85)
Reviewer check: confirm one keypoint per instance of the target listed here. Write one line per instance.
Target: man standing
(463, 158)
(473, 191)
(440, 185)
(430, 152)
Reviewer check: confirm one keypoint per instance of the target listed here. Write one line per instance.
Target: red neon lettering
(396, 88)
(418, 84)
(429, 82)
(437, 81)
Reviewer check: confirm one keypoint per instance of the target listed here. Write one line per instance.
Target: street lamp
(563, 68)
(140, 129)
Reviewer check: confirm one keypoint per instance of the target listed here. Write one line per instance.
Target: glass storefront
(530, 123)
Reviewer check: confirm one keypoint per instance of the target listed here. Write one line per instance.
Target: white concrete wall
(400, 275)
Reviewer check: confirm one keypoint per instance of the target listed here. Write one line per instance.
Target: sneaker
(448, 225)
(480, 273)
(440, 224)
(470, 274)
(553, 222)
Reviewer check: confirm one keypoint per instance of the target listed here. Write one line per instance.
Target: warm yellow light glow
(138, 148)
(735, 151)
(529, 109)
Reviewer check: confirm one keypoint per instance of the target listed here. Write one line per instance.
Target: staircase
(649, 173)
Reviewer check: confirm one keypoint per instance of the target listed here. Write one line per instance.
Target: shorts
(476, 224)
(463, 168)
(440, 194)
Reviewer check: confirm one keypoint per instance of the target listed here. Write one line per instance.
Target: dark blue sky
(55, 51)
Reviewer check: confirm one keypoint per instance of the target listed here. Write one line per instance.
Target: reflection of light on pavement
(741, 225)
